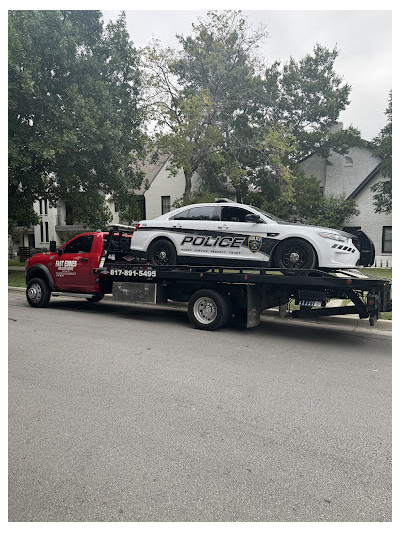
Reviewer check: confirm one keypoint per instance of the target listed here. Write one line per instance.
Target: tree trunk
(188, 183)
(238, 193)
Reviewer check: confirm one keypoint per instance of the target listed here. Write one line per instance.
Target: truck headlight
(332, 236)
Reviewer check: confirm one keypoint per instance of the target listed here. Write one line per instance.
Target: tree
(311, 207)
(383, 143)
(74, 114)
(306, 97)
(198, 93)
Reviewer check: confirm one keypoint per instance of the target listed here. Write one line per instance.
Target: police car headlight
(332, 236)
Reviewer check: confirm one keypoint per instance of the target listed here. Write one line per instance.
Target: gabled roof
(366, 181)
(150, 171)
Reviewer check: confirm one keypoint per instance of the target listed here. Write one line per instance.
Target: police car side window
(202, 213)
(234, 214)
(183, 215)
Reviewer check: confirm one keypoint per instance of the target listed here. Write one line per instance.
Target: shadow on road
(177, 317)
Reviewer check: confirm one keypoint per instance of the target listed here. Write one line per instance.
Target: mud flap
(367, 249)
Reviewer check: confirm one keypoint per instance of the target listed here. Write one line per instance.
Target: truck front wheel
(209, 310)
(37, 293)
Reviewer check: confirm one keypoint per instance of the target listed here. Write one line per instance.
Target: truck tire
(96, 297)
(37, 293)
(295, 253)
(209, 310)
(162, 253)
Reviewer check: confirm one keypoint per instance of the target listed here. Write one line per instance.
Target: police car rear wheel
(295, 253)
(209, 310)
(162, 253)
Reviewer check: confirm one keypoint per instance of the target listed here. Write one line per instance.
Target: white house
(353, 175)
(156, 195)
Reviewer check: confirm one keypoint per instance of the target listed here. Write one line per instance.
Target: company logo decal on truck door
(65, 267)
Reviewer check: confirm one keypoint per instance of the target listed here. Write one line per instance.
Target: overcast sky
(364, 39)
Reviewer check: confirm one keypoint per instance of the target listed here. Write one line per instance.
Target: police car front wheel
(209, 310)
(295, 253)
(162, 253)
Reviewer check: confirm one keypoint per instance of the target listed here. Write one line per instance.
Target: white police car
(229, 233)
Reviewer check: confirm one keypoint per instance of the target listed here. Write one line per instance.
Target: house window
(43, 203)
(46, 227)
(116, 207)
(348, 162)
(165, 204)
(387, 239)
(41, 232)
(68, 214)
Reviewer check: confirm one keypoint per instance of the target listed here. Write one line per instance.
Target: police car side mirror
(252, 218)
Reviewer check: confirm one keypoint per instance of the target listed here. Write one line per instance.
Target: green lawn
(16, 278)
(15, 264)
(380, 273)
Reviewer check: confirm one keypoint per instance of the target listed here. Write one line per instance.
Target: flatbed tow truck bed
(215, 293)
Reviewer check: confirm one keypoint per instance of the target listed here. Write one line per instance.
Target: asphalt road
(119, 413)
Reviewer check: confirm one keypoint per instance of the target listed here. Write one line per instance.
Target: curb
(350, 323)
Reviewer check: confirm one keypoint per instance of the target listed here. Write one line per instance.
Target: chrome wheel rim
(161, 256)
(205, 310)
(294, 257)
(35, 293)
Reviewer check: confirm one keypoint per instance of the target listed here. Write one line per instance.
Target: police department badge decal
(254, 243)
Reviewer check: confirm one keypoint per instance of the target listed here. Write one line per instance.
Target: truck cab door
(72, 269)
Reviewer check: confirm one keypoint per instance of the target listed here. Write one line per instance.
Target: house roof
(150, 171)
(365, 182)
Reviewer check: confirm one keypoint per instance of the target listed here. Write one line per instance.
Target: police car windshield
(272, 217)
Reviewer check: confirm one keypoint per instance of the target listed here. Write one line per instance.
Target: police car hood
(340, 232)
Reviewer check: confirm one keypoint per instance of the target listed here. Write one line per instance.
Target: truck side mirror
(59, 251)
(53, 247)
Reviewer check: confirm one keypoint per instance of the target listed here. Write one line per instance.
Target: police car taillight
(137, 227)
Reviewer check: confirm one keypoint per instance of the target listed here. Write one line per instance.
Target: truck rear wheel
(209, 310)
(37, 293)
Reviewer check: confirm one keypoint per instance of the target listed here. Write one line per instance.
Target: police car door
(248, 238)
(196, 229)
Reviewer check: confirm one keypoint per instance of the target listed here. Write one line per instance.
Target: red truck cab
(69, 269)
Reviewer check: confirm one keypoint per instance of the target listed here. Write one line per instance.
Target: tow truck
(93, 264)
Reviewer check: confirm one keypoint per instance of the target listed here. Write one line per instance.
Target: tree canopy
(81, 96)
(74, 113)
(383, 143)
